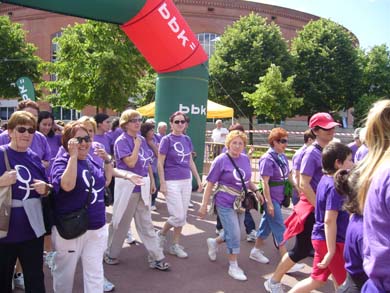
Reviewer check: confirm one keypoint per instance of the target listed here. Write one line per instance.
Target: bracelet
(109, 160)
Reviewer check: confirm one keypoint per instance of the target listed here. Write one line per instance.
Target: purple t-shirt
(297, 158)
(124, 146)
(353, 146)
(311, 165)
(54, 143)
(113, 135)
(376, 237)
(39, 144)
(178, 151)
(328, 199)
(223, 172)
(66, 202)
(353, 249)
(28, 167)
(105, 140)
(268, 166)
(361, 152)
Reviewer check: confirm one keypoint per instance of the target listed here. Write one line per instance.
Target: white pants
(178, 198)
(143, 222)
(90, 248)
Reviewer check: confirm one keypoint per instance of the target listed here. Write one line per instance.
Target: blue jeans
(273, 224)
(157, 181)
(248, 222)
(231, 227)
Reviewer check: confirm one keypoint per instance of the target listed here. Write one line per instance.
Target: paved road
(195, 274)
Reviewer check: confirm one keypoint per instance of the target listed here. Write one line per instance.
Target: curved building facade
(207, 18)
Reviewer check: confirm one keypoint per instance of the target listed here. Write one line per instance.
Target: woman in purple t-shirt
(227, 197)
(274, 174)
(331, 222)
(175, 165)
(78, 179)
(27, 177)
(374, 198)
(132, 155)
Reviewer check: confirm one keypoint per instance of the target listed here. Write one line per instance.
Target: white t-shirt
(219, 135)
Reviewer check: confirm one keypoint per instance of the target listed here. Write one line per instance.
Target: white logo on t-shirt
(179, 148)
(94, 191)
(237, 176)
(25, 181)
(145, 156)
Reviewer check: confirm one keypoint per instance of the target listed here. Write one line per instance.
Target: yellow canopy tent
(214, 110)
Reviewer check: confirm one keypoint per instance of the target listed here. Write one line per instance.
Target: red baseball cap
(323, 120)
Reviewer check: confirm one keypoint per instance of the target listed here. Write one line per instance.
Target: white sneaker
(296, 268)
(108, 286)
(237, 273)
(251, 237)
(213, 248)
(161, 239)
(273, 288)
(178, 250)
(257, 255)
(153, 208)
(19, 281)
(129, 238)
(190, 205)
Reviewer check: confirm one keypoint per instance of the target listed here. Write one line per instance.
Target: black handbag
(108, 198)
(75, 224)
(250, 201)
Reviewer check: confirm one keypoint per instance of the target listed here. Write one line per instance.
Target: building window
(6, 112)
(207, 40)
(64, 114)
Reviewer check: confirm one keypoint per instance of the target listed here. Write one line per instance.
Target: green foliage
(274, 98)
(17, 57)
(361, 108)
(96, 65)
(243, 54)
(328, 70)
(147, 88)
(376, 77)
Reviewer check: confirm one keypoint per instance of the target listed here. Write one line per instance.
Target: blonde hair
(127, 116)
(377, 140)
(86, 120)
(233, 134)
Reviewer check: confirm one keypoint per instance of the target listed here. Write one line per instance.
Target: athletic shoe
(178, 250)
(251, 237)
(159, 265)
(237, 273)
(110, 260)
(49, 259)
(257, 255)
(190, 205)
(273, 288)
(19, 281)
(213, 248)
(162, 239)
(153, 208)
(296, 268)
(108, 286)
(129, 238)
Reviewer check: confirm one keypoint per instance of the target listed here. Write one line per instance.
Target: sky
(368, 20)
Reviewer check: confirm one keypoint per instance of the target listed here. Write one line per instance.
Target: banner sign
(26, 88)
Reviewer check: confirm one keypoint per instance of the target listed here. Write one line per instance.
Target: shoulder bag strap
(285, 176)
(239, 173)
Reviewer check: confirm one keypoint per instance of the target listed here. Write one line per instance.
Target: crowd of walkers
(54, 176)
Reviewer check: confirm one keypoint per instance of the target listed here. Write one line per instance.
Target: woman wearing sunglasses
(175, 165)
(24, 239)
(133, 155)
(79, 180)
(274, 175)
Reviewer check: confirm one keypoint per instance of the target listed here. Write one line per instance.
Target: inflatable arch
(164, 38)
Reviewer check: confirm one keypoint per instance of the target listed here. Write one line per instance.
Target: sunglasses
(22, 129)
(135, 120)
(179, 121)
(282, 141)
(86, 138)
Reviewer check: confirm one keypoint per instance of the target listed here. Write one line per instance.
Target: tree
(376, 73)
(17, 57)
(243, 54)
(274, 97)
(96, 65)
(328, 71)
